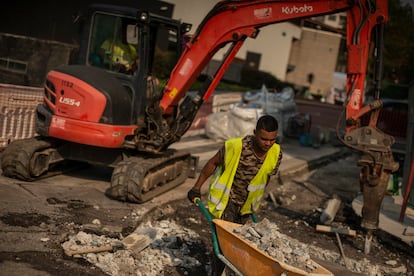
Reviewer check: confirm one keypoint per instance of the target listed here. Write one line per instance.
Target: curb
(293, 167)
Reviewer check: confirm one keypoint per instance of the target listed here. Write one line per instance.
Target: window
(165, 42)
(114, 43)
(332, 17)
(253, 60)
(13, 65)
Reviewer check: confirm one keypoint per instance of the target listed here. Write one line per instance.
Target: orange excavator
(103, 112)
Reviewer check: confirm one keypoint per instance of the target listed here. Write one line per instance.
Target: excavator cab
(125, 56)
(138, 48)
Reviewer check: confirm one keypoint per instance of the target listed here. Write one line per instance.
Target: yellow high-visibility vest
(120, 53)
(221, 182)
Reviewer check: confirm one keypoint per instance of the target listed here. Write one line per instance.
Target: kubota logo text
(69, 101)
(297, 9)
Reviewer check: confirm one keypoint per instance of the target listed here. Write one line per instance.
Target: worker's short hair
(267, 123)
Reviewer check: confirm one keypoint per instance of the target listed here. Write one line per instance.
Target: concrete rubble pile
(171, 248)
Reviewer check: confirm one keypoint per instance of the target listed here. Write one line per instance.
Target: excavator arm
(229, 23)
(232, 22)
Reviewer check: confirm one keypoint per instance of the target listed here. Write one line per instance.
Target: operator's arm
(206, 172)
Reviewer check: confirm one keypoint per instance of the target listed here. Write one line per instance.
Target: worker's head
(266, 132)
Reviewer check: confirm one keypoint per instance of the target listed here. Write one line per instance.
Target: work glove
(194, 194)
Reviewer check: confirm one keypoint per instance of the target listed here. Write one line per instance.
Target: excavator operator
(118, 55)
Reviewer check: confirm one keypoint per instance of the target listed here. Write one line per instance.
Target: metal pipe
(407, 189)
(379, 59)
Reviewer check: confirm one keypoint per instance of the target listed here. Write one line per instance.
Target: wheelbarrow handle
(216, 247)
(205, 212)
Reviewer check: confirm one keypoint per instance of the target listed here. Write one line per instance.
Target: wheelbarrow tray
(250, 260)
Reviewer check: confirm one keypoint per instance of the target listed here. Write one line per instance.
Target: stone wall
(26, 60)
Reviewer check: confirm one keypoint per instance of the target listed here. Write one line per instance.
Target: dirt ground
(296, 211)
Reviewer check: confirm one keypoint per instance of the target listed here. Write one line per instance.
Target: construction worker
(119, 56)
(242, 169)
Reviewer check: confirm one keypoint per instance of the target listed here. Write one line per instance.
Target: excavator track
(135, 179)
(139, 179)
(29, 160)
(16, 158)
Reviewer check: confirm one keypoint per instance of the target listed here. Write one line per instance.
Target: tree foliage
(399, 44)
(255, 79)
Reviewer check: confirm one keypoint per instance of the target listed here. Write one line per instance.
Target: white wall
(273, 42)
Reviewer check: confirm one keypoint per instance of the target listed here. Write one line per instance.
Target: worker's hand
(194, 194)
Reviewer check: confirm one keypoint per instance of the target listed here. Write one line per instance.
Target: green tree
(255, 79)
(399, 44)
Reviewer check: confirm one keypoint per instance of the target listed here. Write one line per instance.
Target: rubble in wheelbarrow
(266, 237)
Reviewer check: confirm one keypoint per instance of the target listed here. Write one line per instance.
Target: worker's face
(265, 139)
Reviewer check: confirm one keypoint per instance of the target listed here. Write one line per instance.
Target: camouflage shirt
(249, 166)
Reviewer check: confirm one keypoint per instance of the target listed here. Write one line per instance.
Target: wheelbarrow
(244, 258)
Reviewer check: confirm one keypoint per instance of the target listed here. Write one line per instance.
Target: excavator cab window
(114, 43)
(164, 50)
